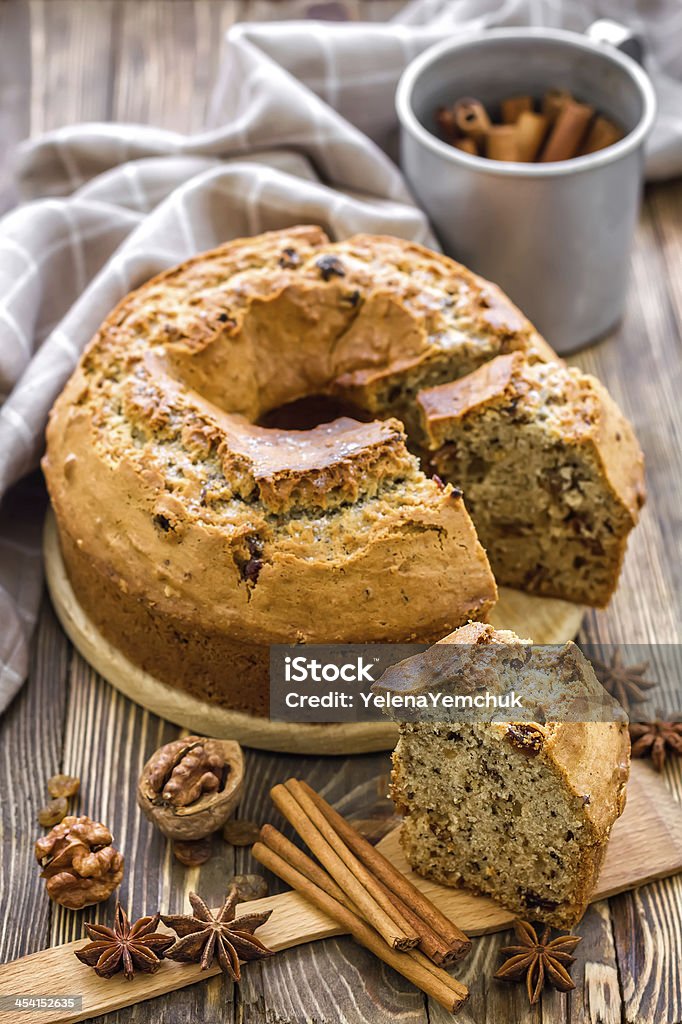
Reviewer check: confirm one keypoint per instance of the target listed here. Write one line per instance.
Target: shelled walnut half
(189, 788)
(79, 864)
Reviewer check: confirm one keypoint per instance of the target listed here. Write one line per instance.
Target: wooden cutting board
(543, 620)
(646, 844)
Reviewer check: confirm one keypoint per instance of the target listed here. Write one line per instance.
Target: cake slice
(520, 811)
(551, 471)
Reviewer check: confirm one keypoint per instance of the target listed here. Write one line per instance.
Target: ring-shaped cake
(195, 537)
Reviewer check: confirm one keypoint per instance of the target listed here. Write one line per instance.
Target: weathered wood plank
(320, 981)
(647, 929)
(15, 90)
(164, 65)
(106, 743)
(665, 202)
(31, 734)
(71, 62)
(641, 366)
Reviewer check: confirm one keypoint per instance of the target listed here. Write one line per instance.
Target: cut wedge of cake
(520, 811)
(552, 474)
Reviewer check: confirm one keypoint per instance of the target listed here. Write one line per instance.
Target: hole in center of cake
(311, 411)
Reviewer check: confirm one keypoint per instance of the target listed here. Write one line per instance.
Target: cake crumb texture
(523, 811)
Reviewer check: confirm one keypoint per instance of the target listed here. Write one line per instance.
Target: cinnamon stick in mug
(512, 108)
(501, 143)
(471, 118)
(568, 132)
(466, 145)
(602, 133)
(445, 119)
(531, 129)
(553, 102)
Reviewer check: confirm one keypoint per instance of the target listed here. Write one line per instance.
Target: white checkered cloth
(305, 126)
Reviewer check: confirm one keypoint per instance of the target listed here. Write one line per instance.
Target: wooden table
(154, 60)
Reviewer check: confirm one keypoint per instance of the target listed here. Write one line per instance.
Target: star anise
(125, 947)
(624, 682)
(655, 740)
(205, 936)
(540, 960)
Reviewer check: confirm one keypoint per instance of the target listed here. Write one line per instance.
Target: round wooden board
(541, 619)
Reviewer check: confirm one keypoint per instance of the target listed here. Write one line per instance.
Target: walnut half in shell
(189, 788)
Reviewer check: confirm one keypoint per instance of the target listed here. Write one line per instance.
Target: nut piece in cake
(520, 811)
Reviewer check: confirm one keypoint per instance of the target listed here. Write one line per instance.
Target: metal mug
(555, 236)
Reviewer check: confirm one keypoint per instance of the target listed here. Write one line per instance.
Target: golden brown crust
(436, 323)
(619, 453)
(443, 407)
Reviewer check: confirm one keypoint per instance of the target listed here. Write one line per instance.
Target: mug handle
(612, 32)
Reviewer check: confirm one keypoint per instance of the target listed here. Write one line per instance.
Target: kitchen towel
(301, 130)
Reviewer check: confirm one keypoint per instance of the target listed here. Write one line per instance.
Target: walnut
(189, 788)
(80, 865)
(184, 770)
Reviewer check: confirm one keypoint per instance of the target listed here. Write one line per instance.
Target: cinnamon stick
(435, 982)
(365, 877)
(445, 119)
(285, 849)
(553, 102)
(471, 118)
(568, 132)
(466, 145)
(530, 129)
(440, 938)
(501, 143)
(512, 108)
(351, 875)
(602, 133)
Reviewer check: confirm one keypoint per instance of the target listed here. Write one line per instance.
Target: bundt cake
(193, 536)
(196, 531)
(552, 474)
(521, 811)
